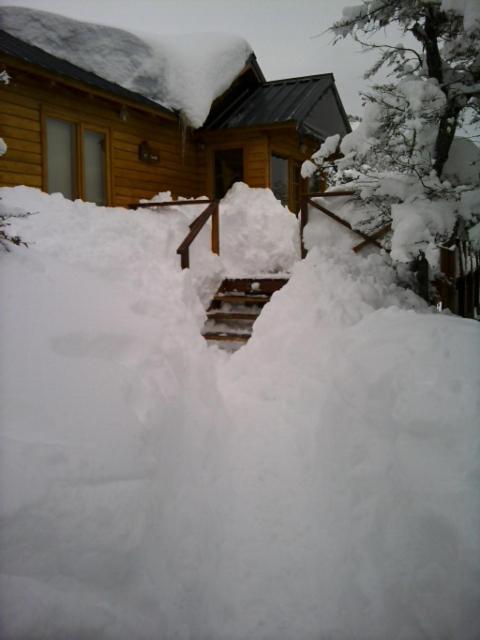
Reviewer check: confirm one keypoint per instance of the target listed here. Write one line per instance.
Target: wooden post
(216, 230)
(185, 259)
(303, 223)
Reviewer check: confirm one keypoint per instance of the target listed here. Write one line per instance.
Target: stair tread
(238, 291)
(262, 285)
(239, 298)
(231, 315)
(222, 335)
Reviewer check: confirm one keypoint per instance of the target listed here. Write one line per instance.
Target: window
(279, 178)
(76, 160)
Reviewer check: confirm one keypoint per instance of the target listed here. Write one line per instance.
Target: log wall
(28, 100)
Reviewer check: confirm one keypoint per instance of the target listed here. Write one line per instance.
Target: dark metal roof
(311, 102)
(21, 50)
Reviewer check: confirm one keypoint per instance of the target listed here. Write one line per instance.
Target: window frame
(80, 125)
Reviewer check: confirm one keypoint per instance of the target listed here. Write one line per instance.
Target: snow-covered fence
(459, 289)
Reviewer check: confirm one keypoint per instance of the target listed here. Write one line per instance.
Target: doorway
(228, 168)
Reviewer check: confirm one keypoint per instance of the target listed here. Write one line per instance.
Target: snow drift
(322, 482)
(185, 72)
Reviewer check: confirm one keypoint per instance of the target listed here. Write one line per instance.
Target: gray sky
(283, 33)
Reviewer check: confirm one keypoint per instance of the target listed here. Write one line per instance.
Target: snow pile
(185, 72)
(106, 453)
(136, 248)
(321, 482)
(355, 462)
(258, 235)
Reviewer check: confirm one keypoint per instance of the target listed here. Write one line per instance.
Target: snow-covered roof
(183, 72)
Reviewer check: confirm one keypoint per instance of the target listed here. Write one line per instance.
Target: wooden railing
(195, 227)
(307, 201)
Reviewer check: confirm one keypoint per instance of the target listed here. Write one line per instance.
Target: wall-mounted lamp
(147, 154)
(123, 114)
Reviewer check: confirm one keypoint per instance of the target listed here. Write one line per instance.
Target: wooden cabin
(71, 131)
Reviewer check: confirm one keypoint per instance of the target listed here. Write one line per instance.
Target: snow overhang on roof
(181, 73)
(16, 48)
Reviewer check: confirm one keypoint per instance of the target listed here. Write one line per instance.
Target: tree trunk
(428, 36)
(445, 136)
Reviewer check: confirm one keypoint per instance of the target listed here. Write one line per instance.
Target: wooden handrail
(307, 200)
(375, 236)
(172, 203)
(196, 226)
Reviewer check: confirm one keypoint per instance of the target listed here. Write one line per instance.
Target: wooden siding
(255, 156)
(186, 161)
(27, 100)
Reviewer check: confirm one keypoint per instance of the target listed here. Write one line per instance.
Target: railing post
(303, 222)
(185, 259)
(216, 230)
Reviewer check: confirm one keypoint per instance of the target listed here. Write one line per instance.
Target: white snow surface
(258, 234)
(185, 72)
(463, 163)
(469, 9)
(322, 482)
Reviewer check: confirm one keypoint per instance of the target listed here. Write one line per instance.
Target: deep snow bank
(108, 445)
(182, 71)
(355, 462)
(322, 482)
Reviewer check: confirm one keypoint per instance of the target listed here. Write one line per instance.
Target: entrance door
(228, 169)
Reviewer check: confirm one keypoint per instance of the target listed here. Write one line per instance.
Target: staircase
(235, 307)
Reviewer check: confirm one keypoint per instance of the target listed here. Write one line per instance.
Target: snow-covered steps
(235, 307)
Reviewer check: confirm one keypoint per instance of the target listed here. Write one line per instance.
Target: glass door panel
(94, 167)
(61, 157)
